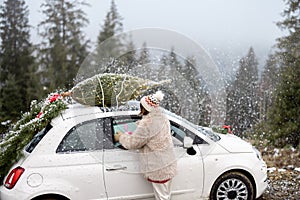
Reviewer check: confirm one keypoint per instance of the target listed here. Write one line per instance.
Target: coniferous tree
(64, 46)
(284, 121)
(268, 83)
(16, 59)
(243, 96)
(200, 93)
(144, 56)
(128, 57)
(11, 98)
(113, 46)
(168, 70)
(164, 66)
(186, 83)
(173, 61)
(109, 44)
(32, 83)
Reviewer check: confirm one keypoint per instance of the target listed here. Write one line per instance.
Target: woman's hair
(143, 110)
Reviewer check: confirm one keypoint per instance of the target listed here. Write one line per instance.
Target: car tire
(232, 185)
(50, 197)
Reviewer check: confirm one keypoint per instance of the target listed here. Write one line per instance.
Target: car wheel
(233, 185)
(50, 197)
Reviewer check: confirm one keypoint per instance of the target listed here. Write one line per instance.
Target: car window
(128, 125)
(37, 138)
(179, 132)
(87, 136)
(178, 136)
(124, 124)
(213, 136)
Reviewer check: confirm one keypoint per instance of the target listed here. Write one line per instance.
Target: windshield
(37, 138)
(208, 133)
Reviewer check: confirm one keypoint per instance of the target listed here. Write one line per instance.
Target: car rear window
(86, 136)
(37, 138)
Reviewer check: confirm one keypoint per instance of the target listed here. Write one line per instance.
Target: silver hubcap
(232, 189)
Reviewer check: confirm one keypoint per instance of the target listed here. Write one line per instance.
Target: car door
(121, 167)
(188, 183)
(78, 160)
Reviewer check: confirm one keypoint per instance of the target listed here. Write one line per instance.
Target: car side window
(178, 135)
(179, 132)
(124, 124)
(127, 124)
(87, 136)
(37, 138)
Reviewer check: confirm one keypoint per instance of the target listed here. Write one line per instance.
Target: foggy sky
(221, 26)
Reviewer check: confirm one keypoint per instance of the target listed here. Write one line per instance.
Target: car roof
(78, 110)
(75, 110)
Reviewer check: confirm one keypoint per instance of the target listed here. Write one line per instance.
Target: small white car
(75, 158)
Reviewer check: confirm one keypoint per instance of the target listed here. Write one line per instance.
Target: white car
(76, 158)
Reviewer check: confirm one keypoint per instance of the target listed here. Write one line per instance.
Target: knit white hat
(152, 101)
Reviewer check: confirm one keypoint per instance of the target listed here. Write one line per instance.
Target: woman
(153, 137)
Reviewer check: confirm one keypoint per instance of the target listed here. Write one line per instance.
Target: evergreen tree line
(267, 106)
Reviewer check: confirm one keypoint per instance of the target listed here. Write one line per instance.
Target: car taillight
(13, 177)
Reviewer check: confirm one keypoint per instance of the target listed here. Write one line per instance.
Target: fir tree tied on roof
(108, 89)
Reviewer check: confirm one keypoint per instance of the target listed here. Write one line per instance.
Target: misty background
(226, 29)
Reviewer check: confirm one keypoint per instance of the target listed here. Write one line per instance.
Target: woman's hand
(117, 136)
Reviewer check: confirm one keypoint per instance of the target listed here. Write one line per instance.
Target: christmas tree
(107, 90)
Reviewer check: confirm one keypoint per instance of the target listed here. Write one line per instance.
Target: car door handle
(114, 168)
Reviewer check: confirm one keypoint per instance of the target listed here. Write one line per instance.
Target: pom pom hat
(152, 101)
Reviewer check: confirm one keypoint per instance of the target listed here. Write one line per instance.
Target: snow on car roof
(79, 110)
(76, 109)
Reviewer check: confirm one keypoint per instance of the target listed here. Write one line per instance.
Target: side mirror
(188, 145)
